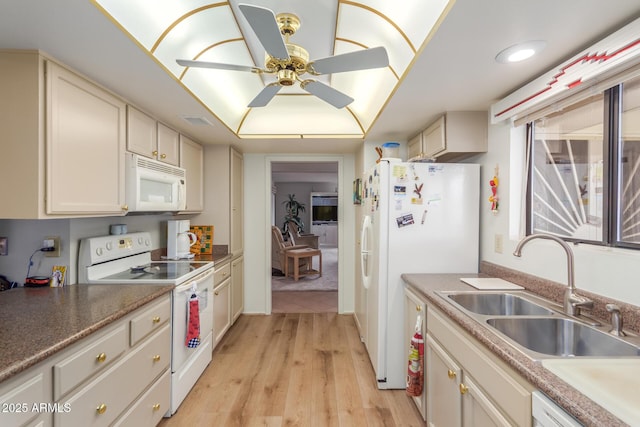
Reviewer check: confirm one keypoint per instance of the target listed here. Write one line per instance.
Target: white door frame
(269, 159)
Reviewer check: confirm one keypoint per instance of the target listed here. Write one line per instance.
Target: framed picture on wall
(357, 191)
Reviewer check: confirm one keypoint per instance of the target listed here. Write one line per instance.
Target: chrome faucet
(572, 302)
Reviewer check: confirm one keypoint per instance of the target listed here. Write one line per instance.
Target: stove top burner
(157, 271)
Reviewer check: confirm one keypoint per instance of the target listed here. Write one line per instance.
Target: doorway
(300, 183)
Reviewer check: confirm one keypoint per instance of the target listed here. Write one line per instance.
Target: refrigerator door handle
(364, 253)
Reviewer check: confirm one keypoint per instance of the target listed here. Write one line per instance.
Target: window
(584, 175)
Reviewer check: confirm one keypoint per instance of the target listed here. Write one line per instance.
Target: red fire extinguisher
(415, 373)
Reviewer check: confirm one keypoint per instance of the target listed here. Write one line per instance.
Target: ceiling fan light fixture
(288, 23)
(287, 77)
(520, 52)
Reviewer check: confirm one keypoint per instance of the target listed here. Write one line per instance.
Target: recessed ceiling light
(521, 51)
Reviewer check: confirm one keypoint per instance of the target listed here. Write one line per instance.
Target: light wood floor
(308, 369)
(304, 302)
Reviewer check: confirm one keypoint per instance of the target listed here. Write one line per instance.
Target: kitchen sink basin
(562, 337)
(498, 304)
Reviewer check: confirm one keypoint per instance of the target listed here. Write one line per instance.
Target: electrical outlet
(52, 241)
(497, 243)
(4, 249)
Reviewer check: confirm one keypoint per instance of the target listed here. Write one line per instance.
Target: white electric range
(125, 260)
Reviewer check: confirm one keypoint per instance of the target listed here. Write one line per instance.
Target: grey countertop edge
(43, 346)
(580, 406)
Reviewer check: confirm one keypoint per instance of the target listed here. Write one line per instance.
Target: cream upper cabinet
(84, 146)
(150, 138)
(168, 145)
(236, 198)
(453, 136)
(414, 146)
(192, 160)
(64, 142)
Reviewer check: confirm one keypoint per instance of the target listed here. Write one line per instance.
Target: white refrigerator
(418, 218)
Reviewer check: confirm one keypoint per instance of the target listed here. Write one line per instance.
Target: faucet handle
(616, 320)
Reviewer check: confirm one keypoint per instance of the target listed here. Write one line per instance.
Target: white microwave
(153, 186)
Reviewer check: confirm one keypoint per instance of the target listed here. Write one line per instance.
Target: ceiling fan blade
(264, 24)
(375, 57)
(217, 66)
(265, 95)
(326, 93)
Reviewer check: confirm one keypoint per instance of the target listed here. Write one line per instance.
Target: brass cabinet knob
(101, 409)
(156, 407)
(451, 374)
(156, 319)
(154, 153)
(156, 358)
(216, 293)
(163, 156)
(101, 357)
(463, 389)
(418, 308)
(125, 207)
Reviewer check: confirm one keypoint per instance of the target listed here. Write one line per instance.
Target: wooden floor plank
(306, 369)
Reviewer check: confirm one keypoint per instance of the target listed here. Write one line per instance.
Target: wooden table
(296, 255)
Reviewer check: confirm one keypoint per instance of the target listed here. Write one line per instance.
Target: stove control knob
(99, 251)
(147, 242)
(109, 246)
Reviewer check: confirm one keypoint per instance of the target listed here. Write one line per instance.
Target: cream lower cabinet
(468, 386)
(415, 308)
(237, 288)
(454, 397)
(221, 302)
(119, 375)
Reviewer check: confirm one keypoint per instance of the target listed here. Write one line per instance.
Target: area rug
(328, 281)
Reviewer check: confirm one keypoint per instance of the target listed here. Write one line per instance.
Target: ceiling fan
(289, 61)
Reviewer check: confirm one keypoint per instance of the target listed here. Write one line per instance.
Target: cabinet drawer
(16, 405)
(75, 369)
(150, 320)
(221, 273)
(150, 408)
(103, 399)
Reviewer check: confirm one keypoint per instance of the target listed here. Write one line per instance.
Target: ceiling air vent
(197, 121)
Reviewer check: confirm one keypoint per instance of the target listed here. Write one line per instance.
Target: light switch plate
(4, 249)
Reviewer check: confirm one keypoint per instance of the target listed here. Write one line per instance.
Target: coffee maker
(179, 239)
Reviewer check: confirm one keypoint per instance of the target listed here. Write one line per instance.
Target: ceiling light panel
(405, 17)
(218, 32)
(299, 114)
(400, 51)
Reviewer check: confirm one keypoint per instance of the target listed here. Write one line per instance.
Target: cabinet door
(414, 307)
(477, 409)
(168, 145)
(192, 160)
(414, 147)
(221, 310)
(237, 284)
(444, 403)
(85, 142)
(237, 210)
(434, 138)
(142, 134)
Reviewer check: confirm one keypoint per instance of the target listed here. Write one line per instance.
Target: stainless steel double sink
(538, 327)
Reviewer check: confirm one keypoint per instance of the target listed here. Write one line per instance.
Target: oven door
(181, 294)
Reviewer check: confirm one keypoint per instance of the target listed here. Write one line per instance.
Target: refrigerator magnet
(399, 190)
(404, 220)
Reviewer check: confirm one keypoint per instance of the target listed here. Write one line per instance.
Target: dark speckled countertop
(36, 323)
(572, 400)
